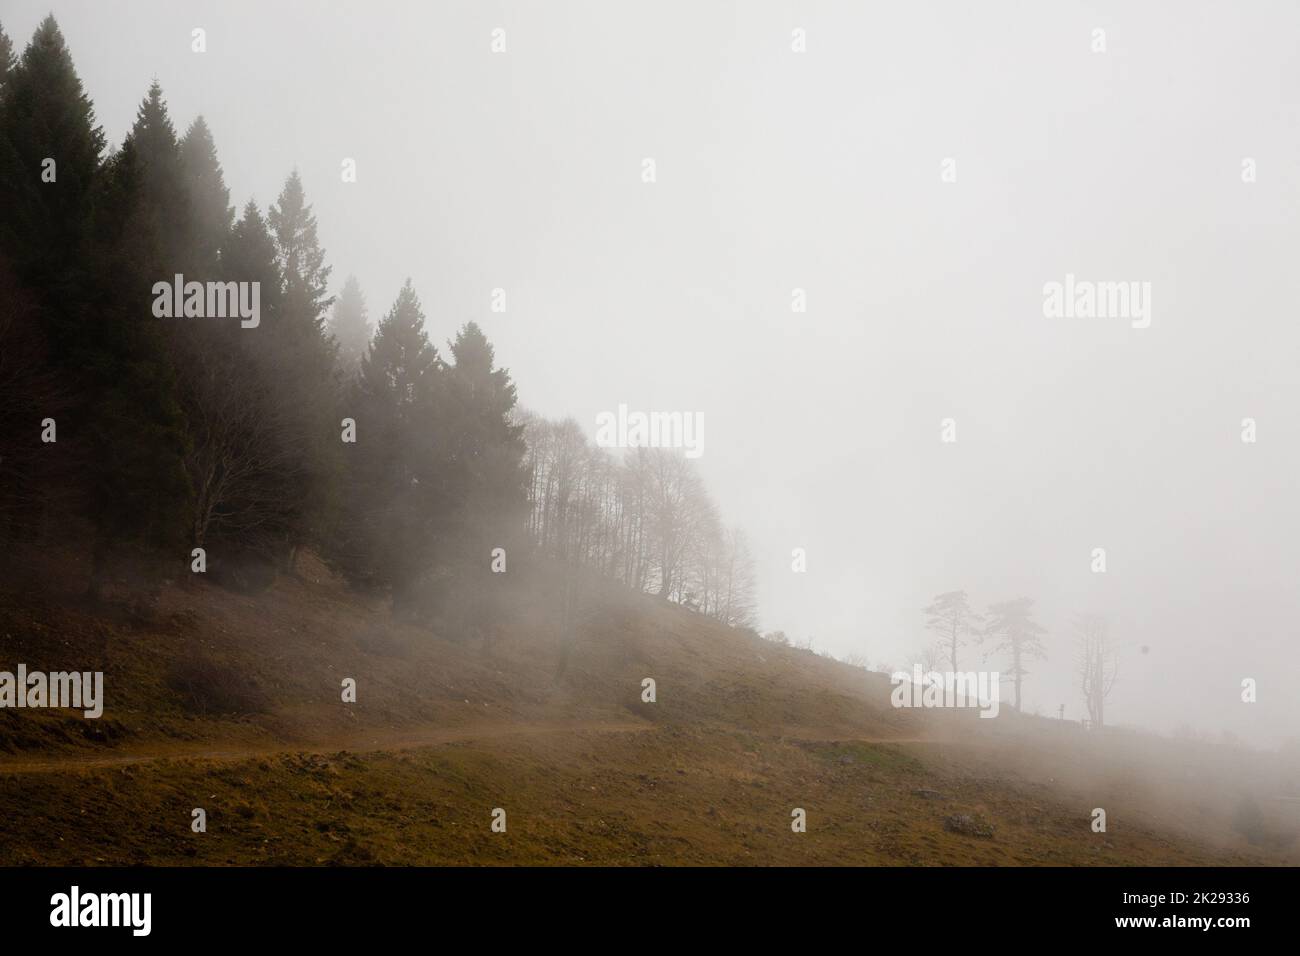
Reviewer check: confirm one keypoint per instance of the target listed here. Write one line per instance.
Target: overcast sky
(821, 171)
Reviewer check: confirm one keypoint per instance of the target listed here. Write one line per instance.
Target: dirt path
(404, 738)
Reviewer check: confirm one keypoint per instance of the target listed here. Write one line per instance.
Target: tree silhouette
(950, 616)
(1020, 636)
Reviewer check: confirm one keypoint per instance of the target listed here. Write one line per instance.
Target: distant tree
(931, 657)
(644, 519)
(736, 604)
(301, 258)
(720, 572)
(1011, 623)
(486, 445)
(485, 450)
(350, 326)
(1098, 664)
(950, 616)
(676, 502)
(699, 584)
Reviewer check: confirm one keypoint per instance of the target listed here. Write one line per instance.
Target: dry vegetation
(231, 703)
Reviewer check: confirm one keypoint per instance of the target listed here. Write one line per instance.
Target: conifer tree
(6, 57)
(139, 436)
(50, 155)
(299, 358)
(159, 220)
(249, 255)
(212, 216)
(487, 448)
(242, 459)
(350, 326)
(1012, 624)
(63, 225)
(396, 495)
(301, 258)
(485, 479)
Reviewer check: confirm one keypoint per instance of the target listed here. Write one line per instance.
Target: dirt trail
(402, 738)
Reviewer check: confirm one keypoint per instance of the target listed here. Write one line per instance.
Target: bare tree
(677, 507)
(1021, 636)
(1098, 663)
(929, 658)
(644, 519)
(950, 616)
(736, 604)
(240, 453)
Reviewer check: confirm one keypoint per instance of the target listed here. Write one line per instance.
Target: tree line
(196, 433)
(1014, 633)
(404, 466)
(643, 518)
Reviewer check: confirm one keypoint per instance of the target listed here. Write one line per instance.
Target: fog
(823, 171)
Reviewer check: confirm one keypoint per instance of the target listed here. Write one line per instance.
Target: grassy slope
(742, 733)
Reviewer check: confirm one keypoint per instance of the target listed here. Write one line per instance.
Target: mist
(822, 171)
(827, 239)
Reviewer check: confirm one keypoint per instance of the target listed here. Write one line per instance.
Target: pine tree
(487, 448)
(350, 326)
(950, 617)
(138, 425)
(395, 496)
(1020, 636)
(299, 358)
(302, 260)
(46, 116)
(241, 458)
(6, 57)
(250, 505)
(249, 255)
(487, 500)
(38, 482)
(212, 216)
(143, 227)
(400, 369)
(63, 232)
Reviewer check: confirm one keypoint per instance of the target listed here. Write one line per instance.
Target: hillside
(232, 703)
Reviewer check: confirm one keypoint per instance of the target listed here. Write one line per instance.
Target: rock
(928, 794)
(968, 825)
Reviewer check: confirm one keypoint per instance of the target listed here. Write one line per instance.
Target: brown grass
(231, 702)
